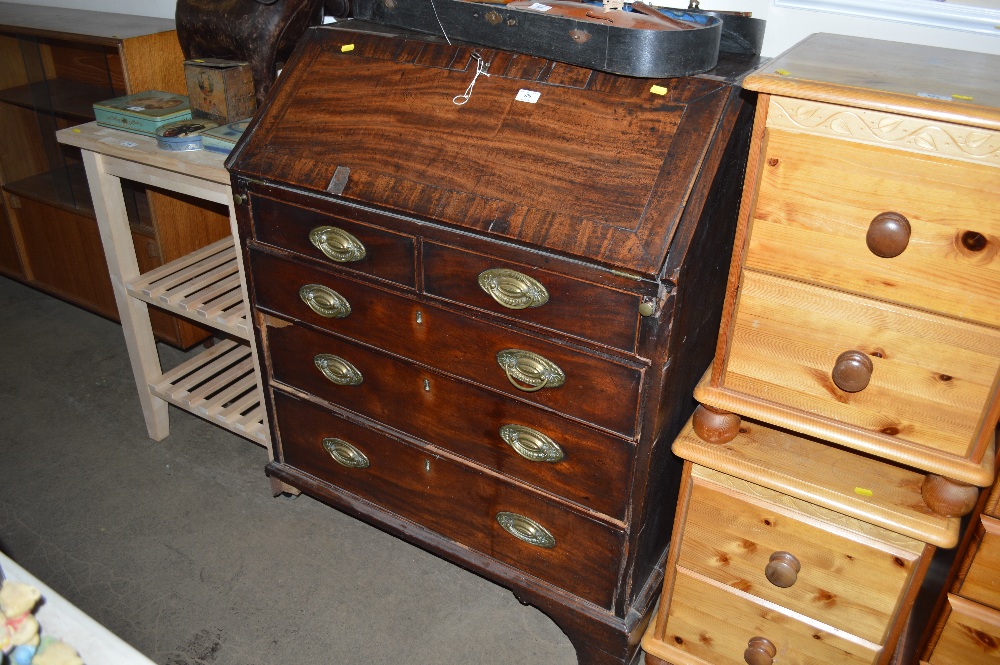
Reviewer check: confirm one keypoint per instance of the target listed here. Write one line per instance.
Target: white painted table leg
(112, 220)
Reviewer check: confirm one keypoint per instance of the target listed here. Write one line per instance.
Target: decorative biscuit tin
(143, 112)
(220, 90)
(183, 134)
(222, 139)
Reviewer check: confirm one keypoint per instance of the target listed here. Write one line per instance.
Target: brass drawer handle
(526, 529)
(760, 651)
(782, 569)
(852, 371)
(338, 370)
(337, 244)
(888, 234)
(325, 301)
(531, 444)
(512, 289)
(525, 367)
(345, 454)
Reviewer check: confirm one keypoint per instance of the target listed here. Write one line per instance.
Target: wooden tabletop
(56, 21)
(142, 149)
(923, 81)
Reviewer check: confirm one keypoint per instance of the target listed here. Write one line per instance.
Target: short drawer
(971, 635)
(339, 240)
(537, 447)
(930, 379)
(587, 387)
(838, 573)
(982, 582)
(717, 625)
(914, 229)
(523, 293)
(473, 508)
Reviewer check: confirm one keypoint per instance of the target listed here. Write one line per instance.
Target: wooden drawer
(469, 349)
(819, 196)
(387, 255)
(971, 635)
(982, 582)
(715, 624)
(569, 306)
(455, 500)
(932, 378)
(851, 575)
(594, 471)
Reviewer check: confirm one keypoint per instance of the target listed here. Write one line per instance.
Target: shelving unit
(221, 383)
(54, 64)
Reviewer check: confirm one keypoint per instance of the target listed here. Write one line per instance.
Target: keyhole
(427, 385)
(427, 465)
(420, 316)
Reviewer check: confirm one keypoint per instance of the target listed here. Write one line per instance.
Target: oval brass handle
(888, 234)
(337, 244)
(512, 289)
(852, 371)
(531, 444)
(526, 529)
(345, 454)
(760, 651)
(525, 367)
(338, 370)
(325, 301)
(782, 570)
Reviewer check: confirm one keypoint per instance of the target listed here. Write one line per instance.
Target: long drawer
(467, 420)
(474, 508)
(459, 345)
(718, 625)
(930, 379)
(971, 635)
(819, 569)
(982, 582)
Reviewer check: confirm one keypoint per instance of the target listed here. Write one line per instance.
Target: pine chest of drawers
(482, 322)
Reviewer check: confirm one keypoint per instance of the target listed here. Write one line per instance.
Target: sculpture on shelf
(261, 32)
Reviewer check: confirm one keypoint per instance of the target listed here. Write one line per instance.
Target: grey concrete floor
(178, 546)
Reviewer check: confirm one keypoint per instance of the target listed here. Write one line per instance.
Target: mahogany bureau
(848, 420)
(481, 322)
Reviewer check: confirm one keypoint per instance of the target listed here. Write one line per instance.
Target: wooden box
(220, 90)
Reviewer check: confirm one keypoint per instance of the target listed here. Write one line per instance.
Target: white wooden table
(222, 383)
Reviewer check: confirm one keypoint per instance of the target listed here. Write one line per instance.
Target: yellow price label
(346, 47)
(659, 90)
(863, 492)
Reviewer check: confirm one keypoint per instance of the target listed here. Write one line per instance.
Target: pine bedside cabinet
(849, 417)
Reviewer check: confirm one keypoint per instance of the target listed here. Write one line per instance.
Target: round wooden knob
(760, 651)
(852, 371)
(888, 234)
(782, 570)
(715, 426)
(947, 497)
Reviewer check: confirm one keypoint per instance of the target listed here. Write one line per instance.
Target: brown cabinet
(481, 324)
(56, 64)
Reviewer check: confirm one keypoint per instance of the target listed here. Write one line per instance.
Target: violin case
(588, 42)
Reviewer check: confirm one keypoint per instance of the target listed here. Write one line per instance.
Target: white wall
(785, 25)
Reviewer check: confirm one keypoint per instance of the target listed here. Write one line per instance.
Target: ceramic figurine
(18, 626)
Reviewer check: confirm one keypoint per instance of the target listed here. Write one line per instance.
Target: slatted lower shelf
(203, 285)
(219, 385)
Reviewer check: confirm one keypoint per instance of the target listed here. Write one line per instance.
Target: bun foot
(948, 498)
(714, 425)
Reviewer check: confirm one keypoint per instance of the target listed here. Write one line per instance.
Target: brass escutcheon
(325, 301)
(493, 17)
(512, 289)
(531, 444)
(529, 371)
(337, 244)
(526, 529)
(345, 454)
(338, 370)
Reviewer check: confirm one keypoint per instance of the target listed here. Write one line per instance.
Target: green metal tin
(143, 112)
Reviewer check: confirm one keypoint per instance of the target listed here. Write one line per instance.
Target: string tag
(481, 68)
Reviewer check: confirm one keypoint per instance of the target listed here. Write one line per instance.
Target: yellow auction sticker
(863, 492)
(346, 47)
(659, 90)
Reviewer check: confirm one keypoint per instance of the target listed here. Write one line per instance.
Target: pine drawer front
(454, 499)
(851, 575)
(577, 385)
(971, 635)
(354, 243)
(931, 378)
(932, 224)
(982, 582)
(716, 624)
(563, 304)
(462, 418)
